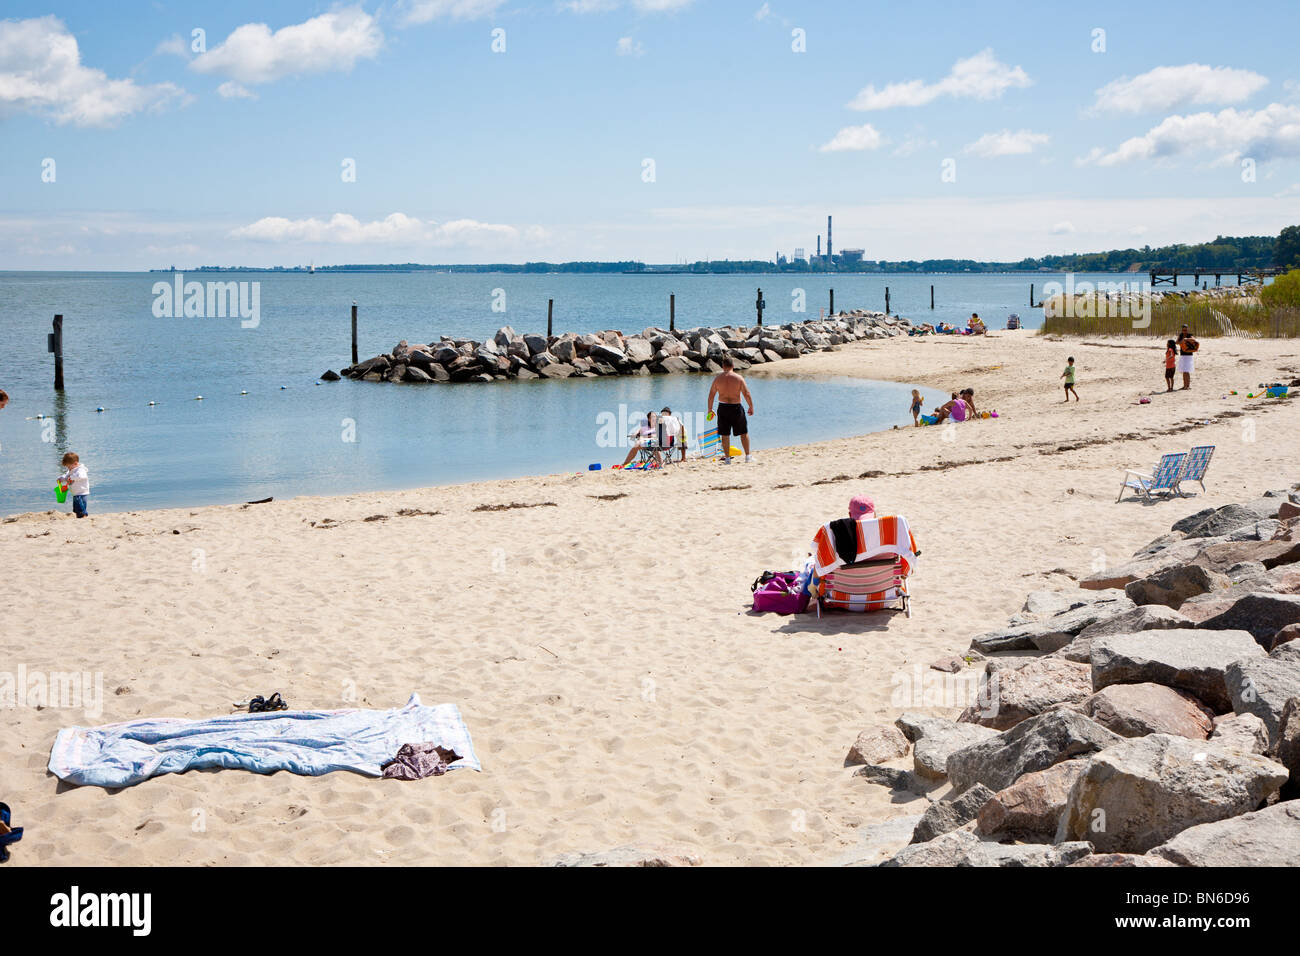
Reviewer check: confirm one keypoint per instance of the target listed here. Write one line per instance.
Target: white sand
(617, 688)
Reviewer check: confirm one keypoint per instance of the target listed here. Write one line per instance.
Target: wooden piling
(758, 304)
(1031, 295)
(550, 312)
(56, 346)
(931, 297)
(354, 334)
(832, 311)
(672, 312)
(886, 300)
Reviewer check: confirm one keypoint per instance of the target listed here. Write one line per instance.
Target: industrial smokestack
(819, 246)
(829, 251)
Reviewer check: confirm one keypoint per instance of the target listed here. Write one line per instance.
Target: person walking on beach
(728, 388)
(1171, 357)
(75, 480)
(1187, 349)
(1068, 375)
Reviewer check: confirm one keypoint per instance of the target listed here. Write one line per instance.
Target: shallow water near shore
(289, 436)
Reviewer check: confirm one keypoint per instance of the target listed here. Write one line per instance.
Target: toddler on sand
(75, 480)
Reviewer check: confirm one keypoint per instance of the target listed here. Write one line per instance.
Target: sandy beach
(599, 642)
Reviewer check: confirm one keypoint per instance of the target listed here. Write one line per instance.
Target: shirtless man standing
(728, 388)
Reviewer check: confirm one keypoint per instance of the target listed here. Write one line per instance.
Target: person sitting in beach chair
(671, 435)
(862, 563)
(976, 325)
(644, 437)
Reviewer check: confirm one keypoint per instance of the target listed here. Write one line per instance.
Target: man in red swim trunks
(728, 388)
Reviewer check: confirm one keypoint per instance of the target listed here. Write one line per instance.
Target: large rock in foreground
(934, 739)
(963, 848)
(1030, 809)
(943, 816)
(1262, 686)
(1268, 837)
(1033, 744)
(1191, 660)
(1261, 613)
(1015, 694)
(1139, 793)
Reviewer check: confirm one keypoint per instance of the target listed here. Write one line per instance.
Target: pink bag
(781, 594)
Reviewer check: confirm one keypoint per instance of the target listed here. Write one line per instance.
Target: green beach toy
(60, 494)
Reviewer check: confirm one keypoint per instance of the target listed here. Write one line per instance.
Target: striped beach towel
(878, 537)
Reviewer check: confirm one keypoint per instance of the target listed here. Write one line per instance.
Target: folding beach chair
(709, 445)
(865, 586)
(1163, 480)
(1198, 461)
(877, 578)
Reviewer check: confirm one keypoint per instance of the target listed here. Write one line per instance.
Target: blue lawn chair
(1194, 468)
(709, 445)
(1163, 480)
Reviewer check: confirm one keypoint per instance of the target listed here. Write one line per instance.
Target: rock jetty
(525, 356)
(1160, 725)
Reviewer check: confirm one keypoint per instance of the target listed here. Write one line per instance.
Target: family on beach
(661, 434)
(959, 408)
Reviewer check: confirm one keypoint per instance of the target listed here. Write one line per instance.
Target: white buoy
(243, 393)
(198, 398)
(153, 403)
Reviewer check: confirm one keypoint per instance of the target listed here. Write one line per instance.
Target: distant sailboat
(311, 269)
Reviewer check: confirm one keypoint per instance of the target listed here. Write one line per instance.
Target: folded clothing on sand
(309, 742)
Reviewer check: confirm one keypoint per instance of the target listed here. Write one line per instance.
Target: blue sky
(235, 155)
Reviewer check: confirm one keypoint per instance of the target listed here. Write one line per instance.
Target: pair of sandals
(259, 705)
(8, 834)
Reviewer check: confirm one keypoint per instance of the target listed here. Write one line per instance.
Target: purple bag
(782, 593)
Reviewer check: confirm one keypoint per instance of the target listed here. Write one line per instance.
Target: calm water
(289, 436)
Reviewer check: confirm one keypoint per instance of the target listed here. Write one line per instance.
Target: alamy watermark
(1099, 300)
(63, 689)
(208, 300)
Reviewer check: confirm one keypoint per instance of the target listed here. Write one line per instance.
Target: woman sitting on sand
(960, 408)
(643, 434)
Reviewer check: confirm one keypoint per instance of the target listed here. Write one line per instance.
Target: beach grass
(1206, 317)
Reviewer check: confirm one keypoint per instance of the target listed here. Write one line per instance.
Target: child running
(1068, 375)
(1171, 358)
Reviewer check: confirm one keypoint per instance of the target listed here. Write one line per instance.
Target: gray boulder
(877, 745)
(1055, 631)
(1229, 518)
(934, 739)
(1173, 585)
(1141, 792)
(1244, 732)
(1013, 694)
(1262, 686)
(943, 816)
(1031, 745)
(1190, 660)
(1149, 617)
(1261, 613)
(1268, 837)
(964, 848)
(1287, 750)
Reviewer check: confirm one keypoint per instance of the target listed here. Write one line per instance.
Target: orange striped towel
(878, 537)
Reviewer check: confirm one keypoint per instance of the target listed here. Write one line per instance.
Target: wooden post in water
(1031, 295)
(758, 304)
(832, 311)
(550, 309)
(672, 312)
(354, 333)
(886, 300)
(56, 346)
(931, 297)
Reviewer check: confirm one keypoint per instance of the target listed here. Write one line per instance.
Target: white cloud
(1006, 143)
(626, 46)
(1269, 133)
(589, 6)
(661, 6)
(173, 46)
(854, 138)
(1062, 228)
(914, 144)
(231, 90)
(41, 73)
(1172, 87)
(425, 11)
(763, 12)
(252, 54)
(980, 77)
(394, 228)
